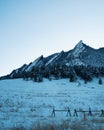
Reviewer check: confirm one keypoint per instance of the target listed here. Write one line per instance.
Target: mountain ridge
(81, 54)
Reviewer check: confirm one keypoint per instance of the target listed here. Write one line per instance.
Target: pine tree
(72, 74)
(100, 81)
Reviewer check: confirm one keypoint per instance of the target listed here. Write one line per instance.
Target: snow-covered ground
(24, 103)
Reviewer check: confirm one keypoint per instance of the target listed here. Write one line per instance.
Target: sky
(30, 28)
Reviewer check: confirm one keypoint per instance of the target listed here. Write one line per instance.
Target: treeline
(87, 73)
(58, 71)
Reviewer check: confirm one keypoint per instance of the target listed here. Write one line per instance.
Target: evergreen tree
(72, 74)
(100, 81)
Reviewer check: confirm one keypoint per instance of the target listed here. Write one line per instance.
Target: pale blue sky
(30, 28)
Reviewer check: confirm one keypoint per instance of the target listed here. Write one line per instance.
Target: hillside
(28, 104)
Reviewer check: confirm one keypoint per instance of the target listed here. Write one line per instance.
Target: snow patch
(78, 49)
(36, 62)
(75, 62)
(55, 58)
(52, 59)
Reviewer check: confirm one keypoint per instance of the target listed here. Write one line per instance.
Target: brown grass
(93, 124)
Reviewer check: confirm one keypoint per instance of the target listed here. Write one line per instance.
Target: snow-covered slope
(27, 103)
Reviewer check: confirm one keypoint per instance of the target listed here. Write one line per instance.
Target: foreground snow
(25, 102)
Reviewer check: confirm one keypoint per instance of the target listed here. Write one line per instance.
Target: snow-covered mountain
(81, 54)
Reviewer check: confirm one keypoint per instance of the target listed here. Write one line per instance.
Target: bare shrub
(35, 126)
(77, 126)
(41, 127)
(98, 120)
(64, 124)
(0, 105)
(18, 128)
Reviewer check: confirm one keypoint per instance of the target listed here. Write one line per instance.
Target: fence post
(53, 112)
(90, 112)
(75, 113)
(102, 113)
(68, 112)
(84, 115)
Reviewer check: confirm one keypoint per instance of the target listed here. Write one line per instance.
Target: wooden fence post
(75, 113)
(90, 112)
(102, 113)
(84, 115)
(68, 112)
(53, 112)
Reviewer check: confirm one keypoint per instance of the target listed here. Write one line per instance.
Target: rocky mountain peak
(80, 43)
(36, 63)
(79, 48)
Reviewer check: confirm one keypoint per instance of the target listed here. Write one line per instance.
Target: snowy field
(25, 103)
